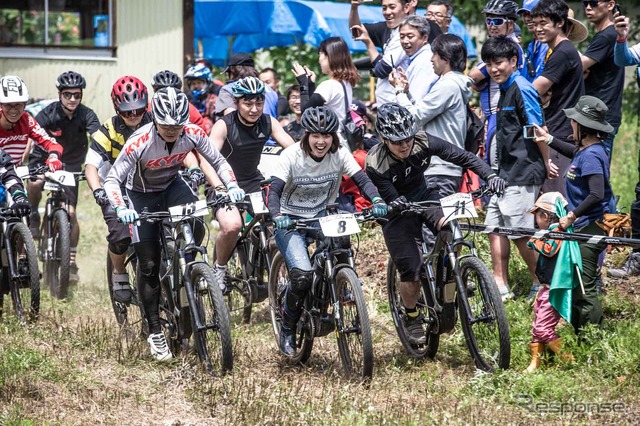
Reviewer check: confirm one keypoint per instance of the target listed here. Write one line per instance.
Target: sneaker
(505, 292)
(73, 273)
(34, 225)
(121, 289)
(533, 292)
(630, 268)
(221, 276)
(414, 330)
(159, 348)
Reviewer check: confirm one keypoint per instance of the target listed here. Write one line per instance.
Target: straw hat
(577, 30)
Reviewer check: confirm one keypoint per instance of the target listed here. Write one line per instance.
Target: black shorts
(177, 193)
(403, 236)
(118, 231)
(38, 158)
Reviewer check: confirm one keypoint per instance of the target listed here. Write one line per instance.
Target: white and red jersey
(14, 141)
(147, 163)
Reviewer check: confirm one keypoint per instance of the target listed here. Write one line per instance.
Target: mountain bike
(188, 288)
(248, 268)
(335, 302)
(19, 272)
(457, 282)
(54, 245)
(129, 315)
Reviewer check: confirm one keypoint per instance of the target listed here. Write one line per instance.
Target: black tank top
(243, 148)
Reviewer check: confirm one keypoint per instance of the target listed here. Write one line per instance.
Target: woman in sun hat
(589, 195)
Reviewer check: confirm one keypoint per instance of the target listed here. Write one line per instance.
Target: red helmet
(129, 93)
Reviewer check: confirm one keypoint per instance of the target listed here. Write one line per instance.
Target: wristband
(549, 140)
(621, 40)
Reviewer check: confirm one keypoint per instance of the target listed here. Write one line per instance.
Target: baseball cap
(527, 6)
(240, 59)
(547, 202)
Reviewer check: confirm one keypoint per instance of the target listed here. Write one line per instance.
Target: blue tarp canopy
(226, 26)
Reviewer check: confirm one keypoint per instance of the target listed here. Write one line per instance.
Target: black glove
(399, 204)
(20, 206)
(210, 193)
(101, 197)
(497, 184)
(196, 178)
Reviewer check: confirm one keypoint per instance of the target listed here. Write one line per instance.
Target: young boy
(520, 162)
(546, 317)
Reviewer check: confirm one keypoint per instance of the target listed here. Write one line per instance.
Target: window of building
(57, 28)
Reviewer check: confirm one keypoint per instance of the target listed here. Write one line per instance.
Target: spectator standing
(294, 128)
(561, 83)
(440, 12)
(603, 78)
(270, 78)
(520, 162)
(536, 51)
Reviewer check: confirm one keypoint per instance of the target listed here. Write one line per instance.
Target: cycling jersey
(71, 133)
(150, 164)
(243, 148)
(14, 141)
(107, 142)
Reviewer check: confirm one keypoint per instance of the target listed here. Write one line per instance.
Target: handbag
(615, 225)
(352, 131)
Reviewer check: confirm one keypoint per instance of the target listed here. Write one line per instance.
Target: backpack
(352, 129)
(475, 131)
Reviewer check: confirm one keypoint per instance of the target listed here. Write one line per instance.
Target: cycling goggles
(403, 141)
(133, 113)
(496, 22)
(74, 95)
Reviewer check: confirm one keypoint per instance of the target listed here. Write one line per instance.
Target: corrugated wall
(149, 39)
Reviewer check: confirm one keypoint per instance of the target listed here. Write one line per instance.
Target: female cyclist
(305, 180)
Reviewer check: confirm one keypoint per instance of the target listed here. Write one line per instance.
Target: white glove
(126, 215)
(236, 193)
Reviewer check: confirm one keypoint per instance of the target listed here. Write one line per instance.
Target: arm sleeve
(459, 157)
(567, 149)
(41, 137)
(624, 56)
(307, 96)
(367, 188)
(124, 164)
(275, 192)
(596, 194)
(381, 68)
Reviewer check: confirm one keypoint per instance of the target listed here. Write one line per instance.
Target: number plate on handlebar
(51, 186)
(199, 208)
(61, 177)
(458, 205)
(22, 172)
(257, 203)
(338, 225)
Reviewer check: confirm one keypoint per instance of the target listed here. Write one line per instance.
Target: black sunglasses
(69, 95)
(133, 113)
(592, 3)
(407, 140)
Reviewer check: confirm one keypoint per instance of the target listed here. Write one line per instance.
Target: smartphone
(529, 132)
(355, 32)
(616, 9)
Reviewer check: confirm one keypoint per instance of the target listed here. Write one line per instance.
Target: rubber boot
(556, 348)
(292, 309)
(288, 327)
(537, 349)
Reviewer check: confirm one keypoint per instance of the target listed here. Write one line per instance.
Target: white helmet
(170, 107)
(13, 89)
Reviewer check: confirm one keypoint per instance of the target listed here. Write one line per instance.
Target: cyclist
(240, 137)
(69, 121)
(12, 184)
(199, 82)
(168, 78)
(149, 165)
(305, 180)
(396, 167)
(130, 97)
(17, 126)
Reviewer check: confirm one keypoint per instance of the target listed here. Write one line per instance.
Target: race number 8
(342, 227)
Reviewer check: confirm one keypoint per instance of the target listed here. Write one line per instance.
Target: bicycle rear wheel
(354, 338)
(278, 282)
(430, 347)
(25, 287)
(128, 315)
(487, 331)
(213, 344)
(56, 269)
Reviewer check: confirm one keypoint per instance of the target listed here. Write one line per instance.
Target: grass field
(72, 367)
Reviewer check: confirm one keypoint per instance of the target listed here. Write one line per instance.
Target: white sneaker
(221, 276)
(159, 348)
(505, 293)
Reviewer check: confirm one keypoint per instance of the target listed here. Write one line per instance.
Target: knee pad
(120, 247)
(148, 267)
(300, 282)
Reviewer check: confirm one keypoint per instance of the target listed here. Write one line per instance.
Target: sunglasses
(496, 22)
(592, 3)
(403, 141)
(133, 113)
(69, 95)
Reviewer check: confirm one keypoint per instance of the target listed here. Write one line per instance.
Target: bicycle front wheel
(354, 336)
(213, 344)
(486, 332)
(428, 349)
(25, 287)
(56, 267)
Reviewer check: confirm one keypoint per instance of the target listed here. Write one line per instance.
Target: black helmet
(395, 123)
(506, 8)
(70, 80)
(166, 78)
(319, 120)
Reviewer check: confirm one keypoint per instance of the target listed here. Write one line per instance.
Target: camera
(529, 132)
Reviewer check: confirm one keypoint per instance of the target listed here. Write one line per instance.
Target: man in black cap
(241, 65)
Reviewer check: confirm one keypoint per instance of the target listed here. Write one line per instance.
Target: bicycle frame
(259, 222)
(7, 223)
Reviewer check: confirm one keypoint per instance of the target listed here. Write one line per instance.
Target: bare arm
(542, 85)
(279, 135)
(364, 37)
(354, 16)
(93, 178)
(587, 62)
